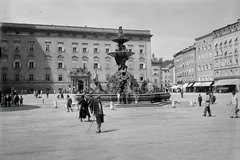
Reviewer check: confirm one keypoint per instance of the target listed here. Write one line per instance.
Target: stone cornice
(226, 30)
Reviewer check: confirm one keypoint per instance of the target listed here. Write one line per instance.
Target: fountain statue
(122, 81)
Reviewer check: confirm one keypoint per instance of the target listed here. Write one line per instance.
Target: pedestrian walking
(207, 105)
(69, 103)
(16, 100)
(90, 103)
(234, 105)
(98, 113)
(213, 98)
(200, 100)
(21, 101)
(62, 96)
(181, 93)
(9, 100)
(83, 112)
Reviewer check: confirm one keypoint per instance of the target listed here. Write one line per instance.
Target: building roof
(70, 29)
(204, 36)
(166, 64)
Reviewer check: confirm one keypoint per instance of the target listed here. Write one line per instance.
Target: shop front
(202, 86)
(227, 85)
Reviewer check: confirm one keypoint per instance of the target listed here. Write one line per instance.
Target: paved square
(38, 131)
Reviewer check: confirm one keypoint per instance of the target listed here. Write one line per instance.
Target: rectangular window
(31, 77)
(141, 51)
(17, 77)
(60, 49)
(31, 65)
(60, 65)
(4, 77)
(47, 77)
(84, 50)
(141, 66)
(60, 78)
(17, 64)
(31, 46)
(95, 65)
(74, 49)
(141, 78)
(17, 46)
(4, 46)
(95, 50)
(107, 50)
(47, 47)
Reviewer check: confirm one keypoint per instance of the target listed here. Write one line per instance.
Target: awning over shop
(202, 84)
(185, 85)
(225, 82)
(190, 84)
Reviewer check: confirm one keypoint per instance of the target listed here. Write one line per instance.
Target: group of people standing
(12, 100)
(210, 99)
(86, 104)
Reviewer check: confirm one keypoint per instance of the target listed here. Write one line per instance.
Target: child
(21, 101)
(55, 103)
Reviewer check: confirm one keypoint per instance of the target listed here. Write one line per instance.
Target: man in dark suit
(83, 112)
(98, 113)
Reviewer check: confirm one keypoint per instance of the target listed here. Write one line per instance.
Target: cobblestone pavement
(38, 131)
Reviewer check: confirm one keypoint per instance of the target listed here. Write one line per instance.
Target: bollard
(191, 102)
(55, 103)
(111, 105)
(174, 104)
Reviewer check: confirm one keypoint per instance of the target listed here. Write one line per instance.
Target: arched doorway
(80, 80)
(80, 85)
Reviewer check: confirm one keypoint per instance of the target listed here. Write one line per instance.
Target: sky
(174, 24)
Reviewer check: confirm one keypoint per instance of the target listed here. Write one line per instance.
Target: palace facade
(55, 58)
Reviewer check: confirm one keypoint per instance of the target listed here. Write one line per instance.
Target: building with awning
(190, 87)
(230, 84)
(202, 86)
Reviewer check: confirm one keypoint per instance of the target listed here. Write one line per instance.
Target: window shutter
(28, 64)
(34, 64)
(144, 66)
(62, 65)
(98, 50)
(20, 64)
(13, 64)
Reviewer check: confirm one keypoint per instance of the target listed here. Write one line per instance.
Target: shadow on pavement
(25, 107)
(112, 130)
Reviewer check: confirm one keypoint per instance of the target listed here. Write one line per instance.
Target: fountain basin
(142, 98)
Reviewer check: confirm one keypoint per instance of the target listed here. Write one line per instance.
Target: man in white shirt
(207, 105)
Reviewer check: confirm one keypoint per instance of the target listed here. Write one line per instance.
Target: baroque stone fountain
(122, 85)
